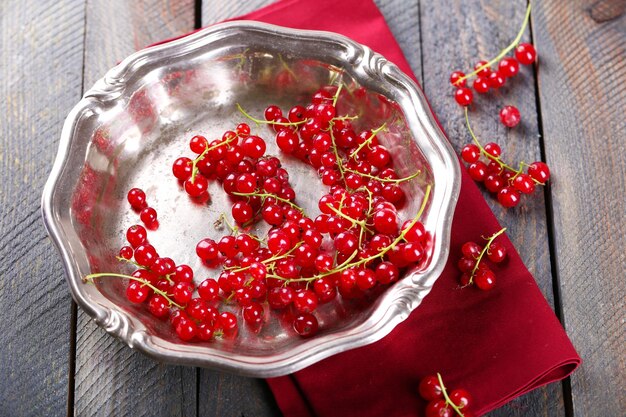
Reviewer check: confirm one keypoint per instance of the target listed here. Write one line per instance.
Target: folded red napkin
(497, 344)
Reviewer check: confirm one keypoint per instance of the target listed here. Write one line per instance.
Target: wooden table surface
(55, 361)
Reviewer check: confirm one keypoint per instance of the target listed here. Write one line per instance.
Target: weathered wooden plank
(582, 46)
(455, 36)
(110, 378)
(40, 80)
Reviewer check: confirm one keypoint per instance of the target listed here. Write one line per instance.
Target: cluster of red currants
(476, 272)
(507, 182)
(354, 246)
(487, 79)
(148, 215)
(442, 404)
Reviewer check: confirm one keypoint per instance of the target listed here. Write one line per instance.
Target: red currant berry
(510, 116)
(493, 149)
(208, 289)
(253, 313)
(509, 67)
(183, 273)
(137, 198)
(145, 255)
(481, 85)
(539, 172)
(525, 53)
(463, 96)
(242, 212)
(186, 329)
(485, 279)
(148, 216)
(439, 408)
(485, 71)
(182, 168)
(227, 321)
(305, 325)
(509, 197)
(494, 182)
(417, 232)
(478, 171)
(163, 266)
(386, 273)
(466, 264)
(183, 292)
(207, 249)
(197, 186)
(272, 113)
(243, 129)
(287, 140)
(455, 77)
(471, 250)
(136, 292)
(524, 184)
(296, 114)
(136, 235)
(385, 221)
(253, 147)
(126, 252)
(198, 144)
(496, 80)
(496, 252)
(346, 243)
(470, 153)
(305, 301)
(430, 389)
(158, 306)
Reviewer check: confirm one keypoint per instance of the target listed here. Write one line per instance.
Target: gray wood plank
(111, 378)
(582, 71)
(40, 80)
(455, 36)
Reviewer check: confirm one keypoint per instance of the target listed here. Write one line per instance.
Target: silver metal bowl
(129, 128)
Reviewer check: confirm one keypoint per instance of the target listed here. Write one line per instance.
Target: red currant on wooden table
(510, 116)
(441, 403)
(471, 266)
(508, 183)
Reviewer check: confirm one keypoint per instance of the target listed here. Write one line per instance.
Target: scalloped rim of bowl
(393, 307)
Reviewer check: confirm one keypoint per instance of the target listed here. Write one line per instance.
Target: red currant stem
(268, 122)
(145, 282)
(482, 253)
(271, 260)
(445, 395)
(336, 96)
(346, 265)
(119, 258)
(269, 195)
(130, 261)
(502, 53)
(234, 230)
(335, 151)
(360, 223)
(368, 140)
(385, 180)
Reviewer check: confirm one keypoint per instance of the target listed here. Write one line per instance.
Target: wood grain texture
(112, 379)
(582, 87)
(456, 35)
(40, 81)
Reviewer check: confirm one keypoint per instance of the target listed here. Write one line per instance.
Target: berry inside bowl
(367, 153)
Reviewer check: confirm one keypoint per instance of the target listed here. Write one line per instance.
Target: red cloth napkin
(497, 344)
